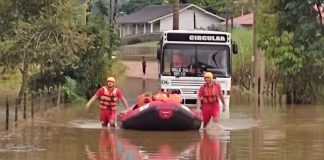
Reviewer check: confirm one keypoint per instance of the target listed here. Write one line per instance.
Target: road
(134, 69)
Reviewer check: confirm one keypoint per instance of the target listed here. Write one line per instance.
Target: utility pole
(254, 46)
(88, 11)
(227, 15)
(175, 14)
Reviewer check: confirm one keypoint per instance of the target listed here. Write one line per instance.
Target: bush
(242, 62)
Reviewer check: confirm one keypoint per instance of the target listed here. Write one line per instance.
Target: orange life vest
(175, 98)
(160, 96)
(210, 94)
(108, 99)
(143, 99)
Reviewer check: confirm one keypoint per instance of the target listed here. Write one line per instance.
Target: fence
(32, 102)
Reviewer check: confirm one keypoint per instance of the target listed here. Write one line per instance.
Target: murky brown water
(254, 132)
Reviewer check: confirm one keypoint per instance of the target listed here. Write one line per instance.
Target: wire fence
(20, 108)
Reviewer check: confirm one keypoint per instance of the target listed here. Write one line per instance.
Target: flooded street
(264, 131)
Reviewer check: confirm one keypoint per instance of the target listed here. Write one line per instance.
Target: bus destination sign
(188, 37)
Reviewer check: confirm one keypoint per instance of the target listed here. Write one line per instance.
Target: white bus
(185, 55)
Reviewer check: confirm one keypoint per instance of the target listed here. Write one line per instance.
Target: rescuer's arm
(222, 99)
(89, 103)
(199, 104)
(124, 102)
(199, 99)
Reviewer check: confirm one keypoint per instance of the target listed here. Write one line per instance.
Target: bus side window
(167, 63)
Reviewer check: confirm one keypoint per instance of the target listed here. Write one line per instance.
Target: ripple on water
(10, 147)
(88, 124)
(237, 123)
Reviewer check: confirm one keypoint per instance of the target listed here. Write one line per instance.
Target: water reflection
(143, 85)
(209, 147)
(161, 145)
(259, 130)
(132, 87)
(106, 149)
(135, 145)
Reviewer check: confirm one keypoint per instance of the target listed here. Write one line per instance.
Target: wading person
(108, 96)
(143, 65)
(209, 95)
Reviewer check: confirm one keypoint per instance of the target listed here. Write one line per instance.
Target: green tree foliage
(51, 42)
(214, 6)
(46, 37)
(235, 7)
(242, 61)
(97, 63)
(290, 34)
(134, 5)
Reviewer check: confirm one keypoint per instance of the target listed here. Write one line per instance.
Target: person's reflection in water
(132, 151)
(209, 147)
(165, 152)
(107, 147)
(143, 85)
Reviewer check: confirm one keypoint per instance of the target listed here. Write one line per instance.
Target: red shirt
(101, 91)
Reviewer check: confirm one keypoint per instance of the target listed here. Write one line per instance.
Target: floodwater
(257, 130)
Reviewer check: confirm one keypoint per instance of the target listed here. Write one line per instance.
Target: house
(155, 19)
(241, 21)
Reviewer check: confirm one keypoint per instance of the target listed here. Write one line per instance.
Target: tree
(134, 5)
(235, 7)
(175, 4)
(47, 37)
(97, 63)
(290, 34)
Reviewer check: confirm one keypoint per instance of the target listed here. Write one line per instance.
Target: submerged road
(134, 69)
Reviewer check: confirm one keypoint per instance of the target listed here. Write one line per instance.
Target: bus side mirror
(158, 54)
(235, 48)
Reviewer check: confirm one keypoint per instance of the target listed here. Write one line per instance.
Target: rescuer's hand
(224, 108)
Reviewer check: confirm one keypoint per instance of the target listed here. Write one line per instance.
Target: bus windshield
(193, 60)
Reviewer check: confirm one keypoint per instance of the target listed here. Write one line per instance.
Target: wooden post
(32, 104)
(272, 89)
(259, 85)
(175, 14)
(24, 105)
(39, 95)
(16, 110)
(254, 45)
(58, 102)
(7, 113)
(275, 91)
(48, 95)
(44, 98)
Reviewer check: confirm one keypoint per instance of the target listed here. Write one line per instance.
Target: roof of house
(152, 13)
(246, 19)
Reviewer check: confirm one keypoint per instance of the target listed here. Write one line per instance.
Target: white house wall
(204, 20)
(126, 30)
(186, 20)
(166, 24)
